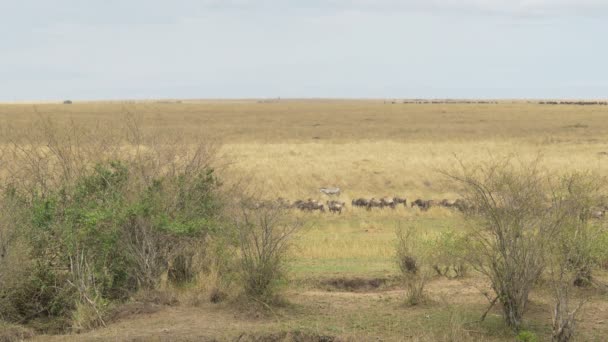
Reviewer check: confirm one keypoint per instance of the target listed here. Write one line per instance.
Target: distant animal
(319, 206)
(360, 202)
(330, 191)
(297, 204)
(374, 203)
(309, 205)
(388, 202)
(447, 203)
(335, 206)
(284, 203)
(400, 200)
(424, 205)
(312, 204)
(67, 102)
(417, 203)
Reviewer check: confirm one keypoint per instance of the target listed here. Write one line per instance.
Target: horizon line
(277, 99)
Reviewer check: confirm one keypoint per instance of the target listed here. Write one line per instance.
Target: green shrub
(109, 233)
(600, 252)
(448, 253)
(526, 336)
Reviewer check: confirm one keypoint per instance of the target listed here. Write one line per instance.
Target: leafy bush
(448, 254)
(511, 228)
(527, 221)
(600, 252)
(77, 234)
(572, 253)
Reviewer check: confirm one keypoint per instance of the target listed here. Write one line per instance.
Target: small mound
(127, 310)
(142, 303)
(355, 284)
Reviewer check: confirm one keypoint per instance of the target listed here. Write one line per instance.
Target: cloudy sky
(117, 49)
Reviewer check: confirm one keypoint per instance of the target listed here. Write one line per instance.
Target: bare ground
(313, 314)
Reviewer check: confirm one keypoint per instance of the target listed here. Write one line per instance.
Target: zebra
(330, 191)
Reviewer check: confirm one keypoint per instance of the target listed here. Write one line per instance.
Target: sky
(145, 49)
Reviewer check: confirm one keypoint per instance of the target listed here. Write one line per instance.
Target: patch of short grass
(359, 245)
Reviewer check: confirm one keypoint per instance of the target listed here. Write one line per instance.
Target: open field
(368, 148)
(290, 148)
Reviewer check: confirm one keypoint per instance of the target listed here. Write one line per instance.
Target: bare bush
(264, 237)
(519, 210)
(570, 255)
(89, 305)
(413, 260)
(148, 251)
(513, 227)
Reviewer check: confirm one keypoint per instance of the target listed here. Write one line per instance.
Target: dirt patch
(132, 309)
(291, 336)
(355, 284)
(142, 303)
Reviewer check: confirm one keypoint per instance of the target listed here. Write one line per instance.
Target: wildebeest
(309, 205)
(400, 200)
(360, 202)
(318, 206)
(447, 203)
(284, 203)
(374, 203)
(388, 202)
(424, 205)
(330, 191)
(417, 203)
(335, 206)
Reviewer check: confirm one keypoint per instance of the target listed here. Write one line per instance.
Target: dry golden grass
(368, 148)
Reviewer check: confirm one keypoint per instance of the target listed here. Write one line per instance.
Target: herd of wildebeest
(337, 206)
(437, 101)
(578, 103)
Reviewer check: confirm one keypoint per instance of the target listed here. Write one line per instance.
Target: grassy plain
(290, 148)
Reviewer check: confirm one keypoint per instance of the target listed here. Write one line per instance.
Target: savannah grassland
(290, 148)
